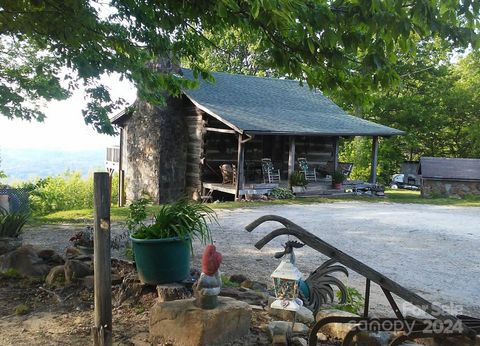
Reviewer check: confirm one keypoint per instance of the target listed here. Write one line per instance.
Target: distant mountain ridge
(25, 164)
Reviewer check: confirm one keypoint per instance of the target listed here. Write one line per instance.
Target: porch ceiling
(258, 105)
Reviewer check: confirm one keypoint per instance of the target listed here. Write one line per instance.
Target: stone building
(450, 177)
(175, 150)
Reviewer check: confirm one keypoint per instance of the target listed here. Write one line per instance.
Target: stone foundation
(182, 323)
(446, 188)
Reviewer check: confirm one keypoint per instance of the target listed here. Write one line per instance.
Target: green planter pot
(162, 261)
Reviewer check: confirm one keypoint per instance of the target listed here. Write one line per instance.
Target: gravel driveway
(432, 250)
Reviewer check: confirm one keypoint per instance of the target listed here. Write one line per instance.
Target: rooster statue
(317, 289)
(207, 288)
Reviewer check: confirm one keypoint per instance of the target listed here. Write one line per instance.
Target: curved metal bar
(350, 335)
(328, 250)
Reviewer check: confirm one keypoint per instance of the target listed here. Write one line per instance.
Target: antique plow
(442, 325)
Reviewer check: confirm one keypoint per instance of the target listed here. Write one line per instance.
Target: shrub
(338, 177)
(67, 191)
(181, 219)
(354, 301)
(11, 223)
(281, 193)
(298, 179)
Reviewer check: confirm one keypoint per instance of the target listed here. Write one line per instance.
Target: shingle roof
(450, 169)
(269, 105)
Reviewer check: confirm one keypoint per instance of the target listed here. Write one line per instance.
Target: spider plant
(11, 223)
(182, 219)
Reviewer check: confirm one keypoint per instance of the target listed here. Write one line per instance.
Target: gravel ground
(432, 250)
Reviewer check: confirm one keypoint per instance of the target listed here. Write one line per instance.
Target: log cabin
(174, 150)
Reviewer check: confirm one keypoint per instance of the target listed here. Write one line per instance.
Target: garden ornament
(316, 290)
(207, 288)
(286, 280)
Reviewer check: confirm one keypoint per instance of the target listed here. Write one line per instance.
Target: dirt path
(432, 250)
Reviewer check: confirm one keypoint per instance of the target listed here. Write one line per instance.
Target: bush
(281, 193)
(338, 177)
(67, 191)
(298, 179)
(354, 301)
(11, 223)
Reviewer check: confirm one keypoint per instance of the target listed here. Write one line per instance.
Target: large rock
(56, 275)
(50, 257)
(172, 291)
(284, 327)
(304, 315)
(182, 323)
(26, 261)
(75, 269)
(340, 330)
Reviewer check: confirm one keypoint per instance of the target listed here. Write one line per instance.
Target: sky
(64, 128)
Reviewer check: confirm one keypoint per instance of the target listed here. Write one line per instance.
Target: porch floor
(322, 187)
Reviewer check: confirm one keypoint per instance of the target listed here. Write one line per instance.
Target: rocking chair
(310, 174)
(229, 174)
(270, 174)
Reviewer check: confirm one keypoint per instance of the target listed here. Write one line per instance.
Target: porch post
(240, 163)
(373, 171)
(291, 157)
(335, 153)
(121, 174)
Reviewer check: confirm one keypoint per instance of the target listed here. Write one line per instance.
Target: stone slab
(182, 323)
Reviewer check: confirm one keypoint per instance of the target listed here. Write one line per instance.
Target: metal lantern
(286, 280)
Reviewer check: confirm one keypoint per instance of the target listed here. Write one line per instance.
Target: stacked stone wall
(446, 188)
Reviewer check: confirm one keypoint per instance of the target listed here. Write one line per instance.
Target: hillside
(24, 164)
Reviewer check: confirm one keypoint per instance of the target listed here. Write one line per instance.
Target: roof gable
(450, 168)
(278, 106)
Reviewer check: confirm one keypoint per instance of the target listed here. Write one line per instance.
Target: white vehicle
(398, 182)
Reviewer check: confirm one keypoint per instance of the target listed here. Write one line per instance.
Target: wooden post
(121, 173)
(335, 153)
(240, 163)
(102, 331)
(373, 171)
(291, 157)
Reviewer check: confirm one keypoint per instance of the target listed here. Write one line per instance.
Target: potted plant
(337, 179)
(162, 249)
(298, 182)
(11, 225)
(83, 240)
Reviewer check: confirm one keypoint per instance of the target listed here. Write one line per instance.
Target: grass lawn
(393, 196)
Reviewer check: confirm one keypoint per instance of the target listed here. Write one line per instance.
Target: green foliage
(10, 273)
(11, 223)
(2, 173)
(436, 104)
(22, 309)
(67, 191)
(137, 213)
(227, 283)
(183, 219)
(48, 48)
(354, 301)
(338, 177)
(281, 193)
(298, 179)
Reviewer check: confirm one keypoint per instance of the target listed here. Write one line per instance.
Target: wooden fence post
(102, 331)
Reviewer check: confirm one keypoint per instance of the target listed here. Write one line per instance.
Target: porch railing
(112, 158)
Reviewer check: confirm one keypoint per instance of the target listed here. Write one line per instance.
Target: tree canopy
(437, 105)
(50, 47)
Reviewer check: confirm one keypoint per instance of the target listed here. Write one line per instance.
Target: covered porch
(245, 153)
